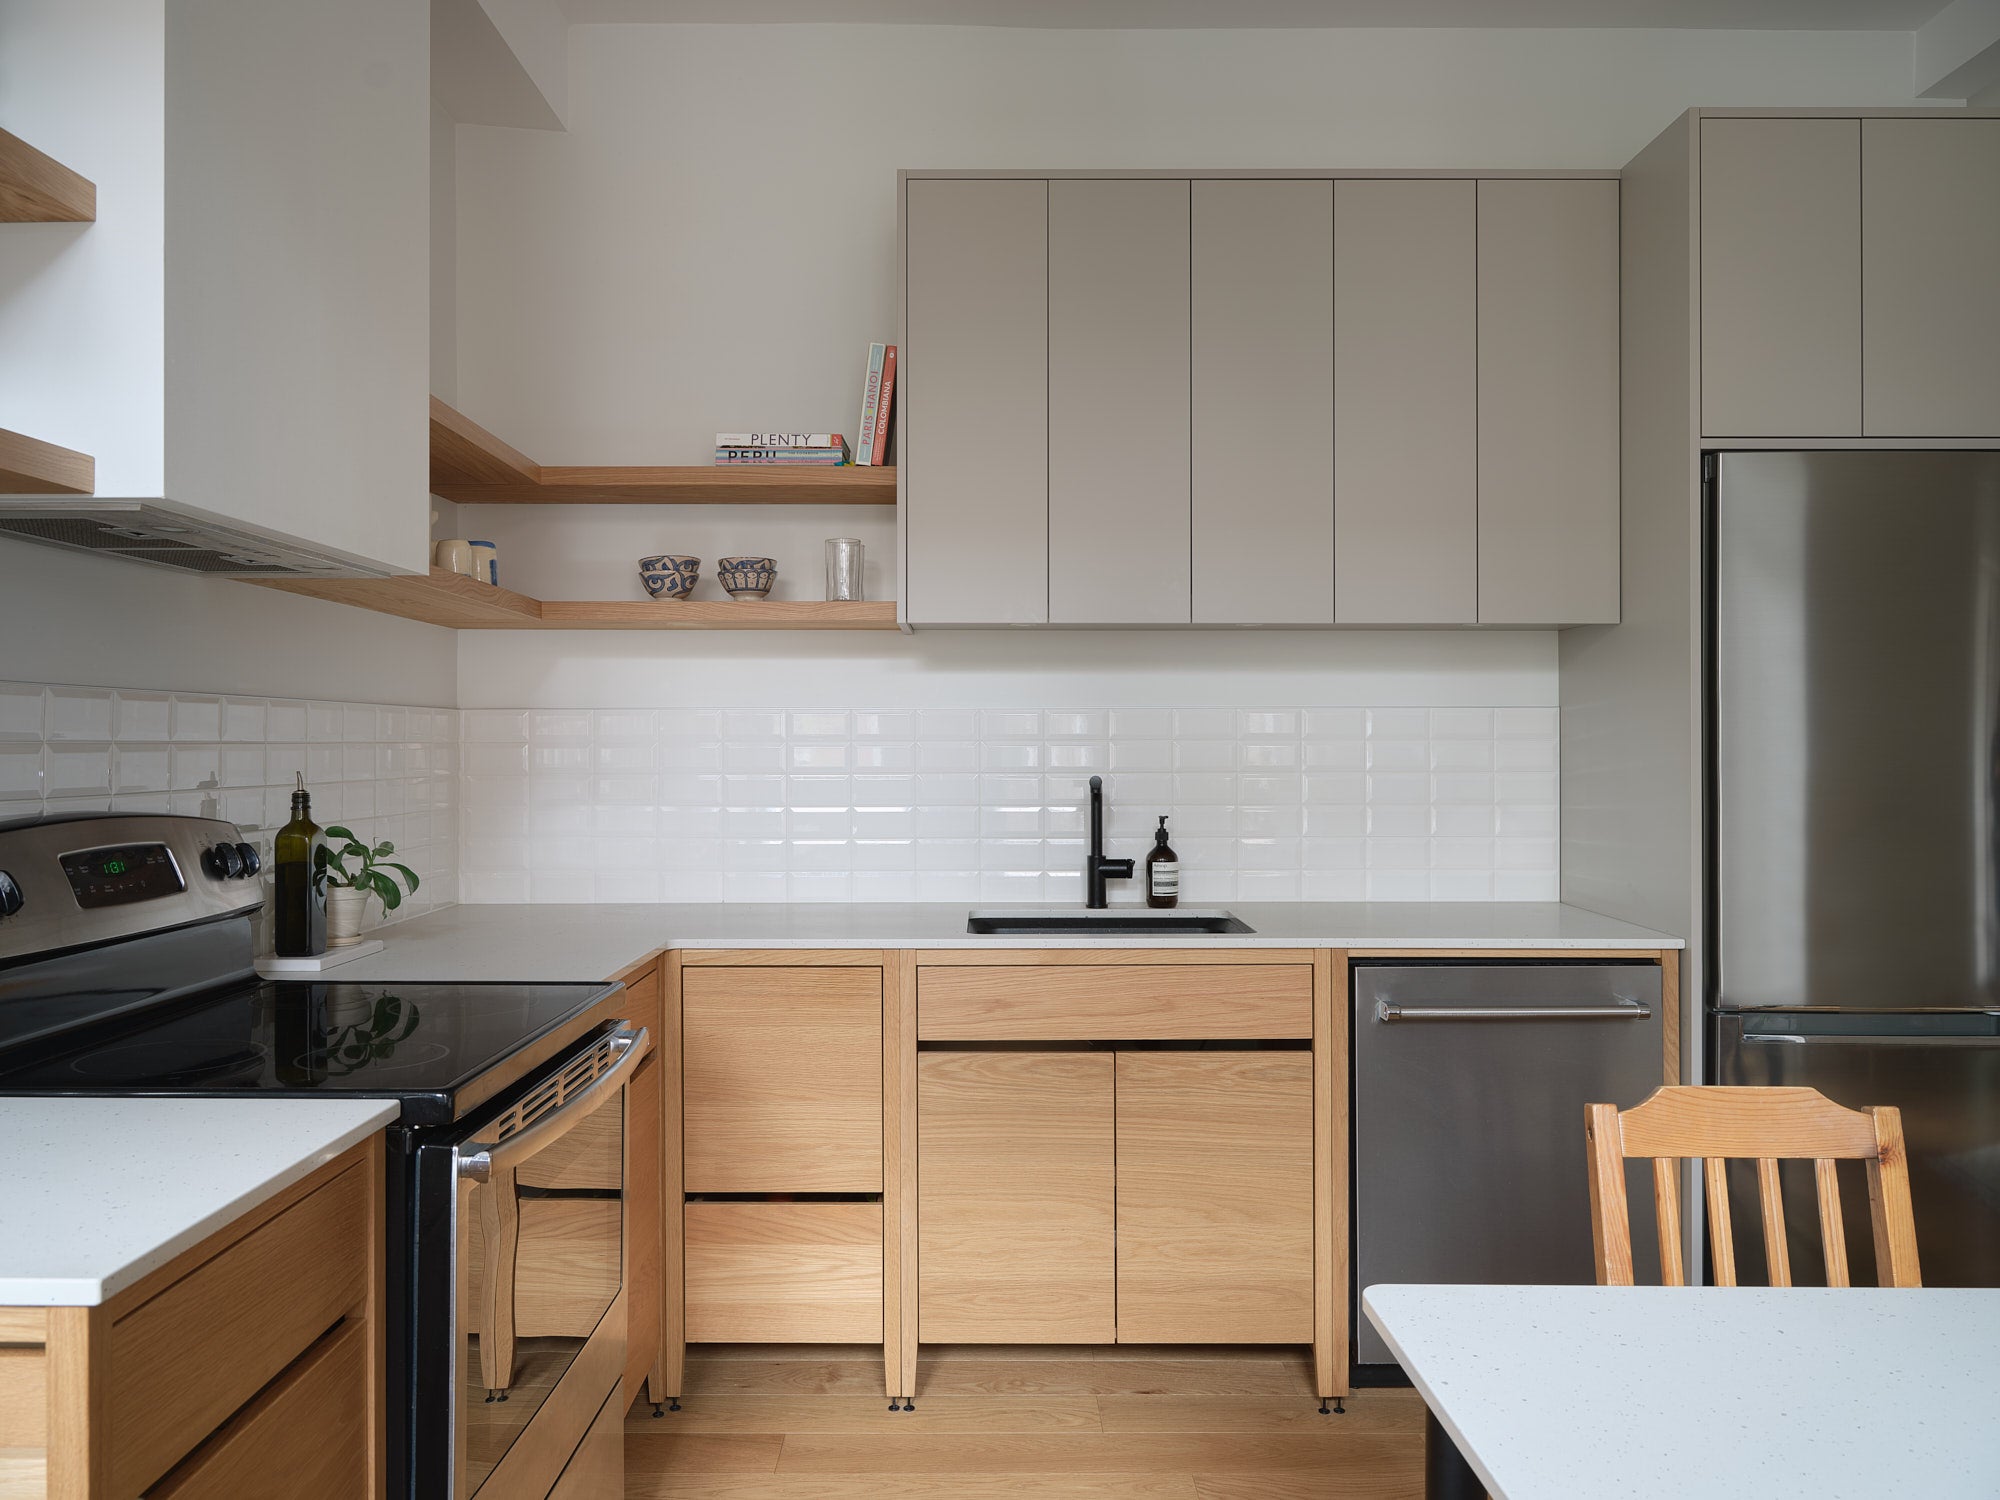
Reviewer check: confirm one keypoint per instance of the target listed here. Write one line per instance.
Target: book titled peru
(780, 448)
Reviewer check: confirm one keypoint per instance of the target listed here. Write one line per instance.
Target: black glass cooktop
(442, 1049)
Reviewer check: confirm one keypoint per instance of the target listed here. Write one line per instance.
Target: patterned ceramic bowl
(747, 577)
(669, 576)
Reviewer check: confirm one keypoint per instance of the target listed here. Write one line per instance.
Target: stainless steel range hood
(167, 536)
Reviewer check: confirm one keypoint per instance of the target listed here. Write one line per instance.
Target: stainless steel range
(126, 968)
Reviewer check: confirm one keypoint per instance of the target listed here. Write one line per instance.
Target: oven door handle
(478, 1160)
(1624, 1010)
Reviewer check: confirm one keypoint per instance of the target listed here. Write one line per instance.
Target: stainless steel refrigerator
(1854, 835)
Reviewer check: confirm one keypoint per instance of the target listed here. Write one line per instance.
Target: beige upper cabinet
(1548, 402)
(974, 445)
(1781, 278)
(1405, 402)
(1263, 402)
(1930, 280)
(1118, 402)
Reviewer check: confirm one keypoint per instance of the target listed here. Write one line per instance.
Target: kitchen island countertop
(99, 1192)
(554, 943)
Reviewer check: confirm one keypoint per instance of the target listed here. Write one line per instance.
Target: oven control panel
(126, 872)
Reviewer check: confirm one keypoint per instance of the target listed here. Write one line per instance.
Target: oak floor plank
(1367, 1412)
(659, 1453)
(756, 1413)
(927, 1487)
(1403, 1480)
(794, 1377)
(1083, 1453)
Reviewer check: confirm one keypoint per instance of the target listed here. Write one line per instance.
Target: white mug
(456, 556)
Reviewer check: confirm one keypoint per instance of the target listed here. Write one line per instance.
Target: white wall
(713, 242)
(81, 359)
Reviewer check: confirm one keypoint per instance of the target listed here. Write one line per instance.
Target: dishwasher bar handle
(1624, 1010)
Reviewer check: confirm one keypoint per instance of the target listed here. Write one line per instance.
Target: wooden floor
(810, 1422)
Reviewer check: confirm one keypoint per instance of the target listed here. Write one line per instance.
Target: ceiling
(1740, 15)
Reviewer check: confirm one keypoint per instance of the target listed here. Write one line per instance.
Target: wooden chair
(1765, 1125)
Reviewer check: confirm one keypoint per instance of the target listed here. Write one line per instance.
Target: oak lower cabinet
(1155, 1196)
(250, 1366)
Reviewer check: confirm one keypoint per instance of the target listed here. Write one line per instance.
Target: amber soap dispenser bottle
(1163, 870)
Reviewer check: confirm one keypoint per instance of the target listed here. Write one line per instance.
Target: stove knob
(11, 899)
(251, 863)
(222, 862)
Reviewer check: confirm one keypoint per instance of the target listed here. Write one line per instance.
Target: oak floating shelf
(29, 466)
(38, 189)
(473, 467)
(461, 603)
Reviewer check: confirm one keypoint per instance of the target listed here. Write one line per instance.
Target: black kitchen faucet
(1096, 868)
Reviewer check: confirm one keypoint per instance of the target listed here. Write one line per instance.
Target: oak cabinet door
(782, 1078)
(1781, 278)
(1118, 402)
(1262, 278)
(1930, 287)
(1215, 1197)
(1548, 402)
(1015, 1183)
(1405, 403)
(974, 391)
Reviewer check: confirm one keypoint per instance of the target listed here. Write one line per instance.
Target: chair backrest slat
(1766, 1126)
(1771, 1200)
(1721, 1241)
(1667, 1214)
(1832, 1228)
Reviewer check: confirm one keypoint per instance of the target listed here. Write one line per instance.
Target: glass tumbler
(843, 567)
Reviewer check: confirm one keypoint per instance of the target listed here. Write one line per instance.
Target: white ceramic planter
(346, 911)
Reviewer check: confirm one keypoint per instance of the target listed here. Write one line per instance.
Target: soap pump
(1163, 870)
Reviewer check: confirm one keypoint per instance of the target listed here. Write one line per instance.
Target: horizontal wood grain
(35, 188)
(29, 466)
(440, 597)
(1117, 958)
(784, 958)
(1063, 1002)
(472, 466)
(1015, 1186)
(783, 1271)
(239, 1318)
(782, 1079)
(909, 1487)
(24, 1396)
(763, 1412)
(1215, 1197)
(1064, 1453)
(1770, 1122)
(24, 1325)
(303, 1438)
(719, 614)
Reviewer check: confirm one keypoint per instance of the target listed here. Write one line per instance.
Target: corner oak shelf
(29, 466)
(461, 603)
(473, 467)
(38, 189)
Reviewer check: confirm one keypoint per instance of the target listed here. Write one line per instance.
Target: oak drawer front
(1105, 1002)
(805, 1273)
(305, 1438)
(182, 1362)
(782, 1073)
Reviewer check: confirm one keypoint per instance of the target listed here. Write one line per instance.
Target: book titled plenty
(780, 448)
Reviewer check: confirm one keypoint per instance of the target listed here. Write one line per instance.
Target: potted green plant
(354, 872)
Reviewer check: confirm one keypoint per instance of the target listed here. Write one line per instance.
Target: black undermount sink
(1069, 922)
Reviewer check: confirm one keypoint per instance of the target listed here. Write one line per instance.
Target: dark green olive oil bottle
(298, 905)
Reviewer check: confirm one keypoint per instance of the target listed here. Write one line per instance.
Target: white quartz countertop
(1653, 1393)
(546, 943)
(98, 1192)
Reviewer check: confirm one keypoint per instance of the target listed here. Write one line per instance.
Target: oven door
(530, 1206)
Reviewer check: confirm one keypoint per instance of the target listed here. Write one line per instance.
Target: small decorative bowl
(669, 576)
(747, 577)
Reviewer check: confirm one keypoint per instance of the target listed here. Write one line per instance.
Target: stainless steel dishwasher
(1470, 1080)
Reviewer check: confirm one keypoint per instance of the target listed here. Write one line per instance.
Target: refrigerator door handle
(1624, 1010)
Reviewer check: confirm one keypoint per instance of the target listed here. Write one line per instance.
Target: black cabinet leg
(1447, 1476)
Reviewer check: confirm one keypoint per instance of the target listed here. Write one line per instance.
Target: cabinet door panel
(1405, 411)
(1781, 278)
(1118, 403)
(1930, 292)
(1548, 402)
(1015, 1181)
(974, 390)
(783, 1079)
(1215, 1197)
(1263, 403)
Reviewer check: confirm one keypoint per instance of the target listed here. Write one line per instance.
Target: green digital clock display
(113, 867)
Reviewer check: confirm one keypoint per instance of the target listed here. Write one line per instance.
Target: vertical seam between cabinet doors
(1190, 410)
(1478, 487)
(1048, 403)
(1861, 277)
(1114, 1197)
(1333, 400)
